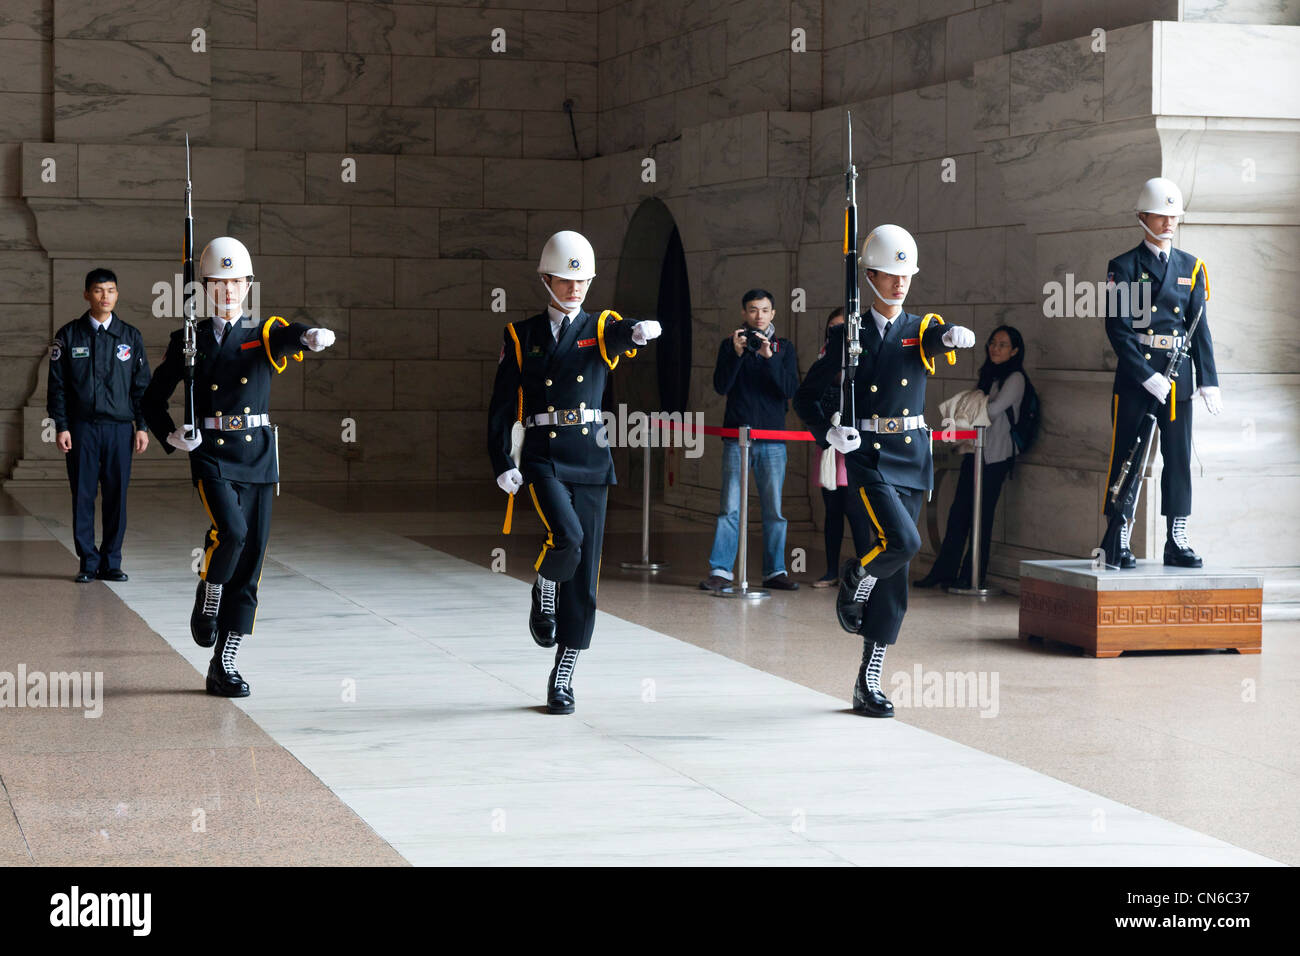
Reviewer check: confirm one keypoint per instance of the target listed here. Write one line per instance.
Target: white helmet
(890, 249)
(1160, 196)
(225, 258)
(568, 255)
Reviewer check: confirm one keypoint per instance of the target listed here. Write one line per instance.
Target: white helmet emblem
(225, 263)
(901, 255)
(574, 264)
(1169, 200)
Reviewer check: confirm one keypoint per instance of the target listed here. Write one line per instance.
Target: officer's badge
(124, 353)
(1184, 280)
(1145, 277)
(80, 351)
(535, 350)
(56, 351)
(225, 263)
(901, 255)
(574, 264)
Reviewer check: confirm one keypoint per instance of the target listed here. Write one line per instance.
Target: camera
(754, 339)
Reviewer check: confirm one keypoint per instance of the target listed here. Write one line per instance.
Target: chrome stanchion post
(977, 525)
(645, 564)
(744, 590)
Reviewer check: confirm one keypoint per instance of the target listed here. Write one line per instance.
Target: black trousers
(1175, 446)
(892, 512)
(955, 550)
(837, 510)
(574, 516)
(235, 546)
(100, 459)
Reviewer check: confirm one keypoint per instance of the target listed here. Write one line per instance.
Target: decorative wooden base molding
(1070, 602)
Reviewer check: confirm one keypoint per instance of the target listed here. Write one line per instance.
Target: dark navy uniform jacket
(233, 379)
(1178, 290)
(890, 383)
(97, 376)
(757, 389)
(556, 376)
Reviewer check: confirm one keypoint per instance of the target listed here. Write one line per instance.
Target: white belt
(891, 426)
(1161, 341)
(236, 423)
(565, 416)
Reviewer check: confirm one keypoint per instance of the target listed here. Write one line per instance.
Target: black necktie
(564, 327)
(1164, 257)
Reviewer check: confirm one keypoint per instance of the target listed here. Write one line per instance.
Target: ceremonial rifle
(188, 291)
(852, 347)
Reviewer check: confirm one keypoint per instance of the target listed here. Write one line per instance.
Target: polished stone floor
(397, 696)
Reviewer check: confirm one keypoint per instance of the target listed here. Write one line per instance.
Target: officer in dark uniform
(887, 455)
(545, 431)
(233, 460)
(98, 375)
(1180, 287)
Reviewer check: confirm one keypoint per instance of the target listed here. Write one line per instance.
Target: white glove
(843, 440)
(1213, 398)
(646, 330)
(177, 439)
(959, 337)
(317, 339)
(510, 481)
(1158, 386)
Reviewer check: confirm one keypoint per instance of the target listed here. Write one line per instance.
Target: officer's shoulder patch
(56, 350)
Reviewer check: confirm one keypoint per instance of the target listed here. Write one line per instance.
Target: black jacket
(758, 390)
(556, 376)
(97, 376)
(890, 383)
(1178, 291)
(234, 379)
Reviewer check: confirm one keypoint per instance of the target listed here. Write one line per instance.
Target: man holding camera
(758, 372)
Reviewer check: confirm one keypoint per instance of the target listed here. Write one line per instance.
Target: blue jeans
(767, 461)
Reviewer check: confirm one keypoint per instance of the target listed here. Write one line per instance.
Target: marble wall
(995, 130)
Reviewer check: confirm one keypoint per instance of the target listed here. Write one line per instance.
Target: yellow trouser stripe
(212, 533)
(550, 535)
(1110, 459)
(1173, 397)
(880, 532)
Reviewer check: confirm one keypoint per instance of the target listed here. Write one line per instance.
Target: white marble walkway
(675, 756)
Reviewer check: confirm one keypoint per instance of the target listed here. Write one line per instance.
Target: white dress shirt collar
(101, 325)
(882, 323)
(1156, 250)
(557, 316)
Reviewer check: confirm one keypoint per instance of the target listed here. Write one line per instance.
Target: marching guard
(233, 455)
(1180, 287)
(545, 433)
(885, 443)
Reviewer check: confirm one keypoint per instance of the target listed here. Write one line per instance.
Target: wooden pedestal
(1148, 608)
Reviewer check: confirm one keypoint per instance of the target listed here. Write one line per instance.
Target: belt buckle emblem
(570, 417)
(893, 425)
(234, 423)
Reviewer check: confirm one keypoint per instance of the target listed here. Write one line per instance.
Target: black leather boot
(851, 601)
(868, 700)
(203, 619)
(223, 679)
(541, 620)
(559, 687)
(1178, 552)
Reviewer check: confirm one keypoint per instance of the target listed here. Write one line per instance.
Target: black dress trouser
(892, 511)
(837, 510)
(574, 516)
(955, 550)
(100, 460)
(235, 545)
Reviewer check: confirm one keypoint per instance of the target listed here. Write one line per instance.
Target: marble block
(919, 123)
(302, 25)
(388, 231)
(918, 56)
(402, 29)
(442, 386)
(393, 129)
(24, 66)
(463, 132)
(141, 20)
(118, 118)
(256, 74)
(531, 183)
(304, 230)
(521, 84)
(440, 284)
(1056, 86)
(309, 126)
(482, 233)
(973, 35)
(857, 71)
(435, 81)
(107, 171)
(349, 282)
(274, 176)
(394, 333)
(468, 33)
(370, 179)
(34, 156)
(347, 77)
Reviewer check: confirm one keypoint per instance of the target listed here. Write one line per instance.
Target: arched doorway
(653, 283)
